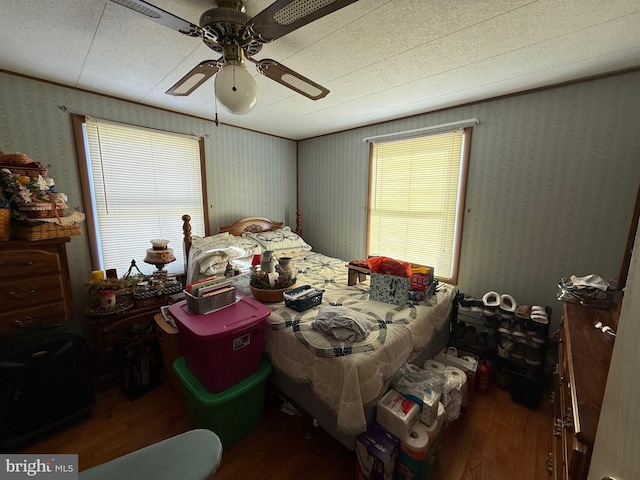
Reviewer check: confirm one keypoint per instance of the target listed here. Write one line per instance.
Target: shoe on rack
(539, 332)
(491, 303)
(505, 327)
(533, 355)
(507, 306)
(460, 330)
(467, 303)
(539, 315)
(492, 322)
(504, 347)
(517, 352)
(518, 329)
(523, 312)
(471, 336)
(483, 340)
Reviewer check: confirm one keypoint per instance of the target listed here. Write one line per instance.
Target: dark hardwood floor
(496, 439)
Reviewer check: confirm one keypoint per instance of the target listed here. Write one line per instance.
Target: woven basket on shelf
(5, 224)
(42, 210)
(46, 231)
(28, 171)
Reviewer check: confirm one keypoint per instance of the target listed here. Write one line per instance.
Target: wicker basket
(5, 224)
(269, 296)
(42, 210)
(46, 231)
(28, 171)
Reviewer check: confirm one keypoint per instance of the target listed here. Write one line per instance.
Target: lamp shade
(236, 89)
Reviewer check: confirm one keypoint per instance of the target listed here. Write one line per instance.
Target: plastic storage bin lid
(205, 397)
(232, 318)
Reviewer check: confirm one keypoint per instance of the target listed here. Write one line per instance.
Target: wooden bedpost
(299, 222)
(186, 233)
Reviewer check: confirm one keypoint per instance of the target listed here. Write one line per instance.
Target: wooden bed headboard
(247, 224)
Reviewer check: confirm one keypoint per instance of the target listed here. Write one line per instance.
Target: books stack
(207, 296)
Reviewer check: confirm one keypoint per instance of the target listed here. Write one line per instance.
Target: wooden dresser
(580, 376)
(35, 288)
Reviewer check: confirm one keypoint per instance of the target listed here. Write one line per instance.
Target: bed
(336, 383)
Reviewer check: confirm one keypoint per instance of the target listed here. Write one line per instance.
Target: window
(136, 184)
(416, 200)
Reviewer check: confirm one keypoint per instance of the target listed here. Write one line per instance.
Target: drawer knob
(22, 294)
(26, 322)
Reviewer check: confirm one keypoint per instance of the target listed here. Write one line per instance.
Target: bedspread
(347, 376)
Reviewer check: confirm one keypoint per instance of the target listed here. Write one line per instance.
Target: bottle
(483, 376)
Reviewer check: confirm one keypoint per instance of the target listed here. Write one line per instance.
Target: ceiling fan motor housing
(226, 24)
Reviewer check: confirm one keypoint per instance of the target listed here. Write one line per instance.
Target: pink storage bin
(224, 347)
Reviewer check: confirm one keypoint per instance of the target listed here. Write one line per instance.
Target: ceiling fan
(229, 31)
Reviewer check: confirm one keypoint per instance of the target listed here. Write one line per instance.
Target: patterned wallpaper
(247, 173)
(553, 177)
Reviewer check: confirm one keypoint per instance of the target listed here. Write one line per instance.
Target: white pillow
(281, 240)
(250, 245)
(218, 248)
(210, 255)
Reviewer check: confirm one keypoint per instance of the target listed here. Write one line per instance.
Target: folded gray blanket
(343, 323)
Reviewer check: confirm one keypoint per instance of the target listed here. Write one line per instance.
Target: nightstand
(110, 332)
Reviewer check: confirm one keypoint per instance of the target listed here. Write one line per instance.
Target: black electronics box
(45, 382)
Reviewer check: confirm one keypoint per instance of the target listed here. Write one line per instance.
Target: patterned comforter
(348, 376)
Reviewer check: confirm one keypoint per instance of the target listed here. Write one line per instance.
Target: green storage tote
(232, 413)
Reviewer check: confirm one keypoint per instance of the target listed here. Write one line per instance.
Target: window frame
(460, 203)
(78, 122)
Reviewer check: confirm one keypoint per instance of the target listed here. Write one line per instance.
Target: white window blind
(416, 200)
(142, 181)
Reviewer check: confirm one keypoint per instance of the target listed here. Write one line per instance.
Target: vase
(285, 269)
(268, 261)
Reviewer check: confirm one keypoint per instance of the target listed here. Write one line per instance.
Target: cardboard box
(389, 289)
(376, 451)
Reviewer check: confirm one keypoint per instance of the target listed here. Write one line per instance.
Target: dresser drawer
(11, 322)
(20, 294)
(28, 263)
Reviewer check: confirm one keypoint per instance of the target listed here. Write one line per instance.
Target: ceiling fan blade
(284, 16)
(293, 80)
(196, 77)
(161, 16)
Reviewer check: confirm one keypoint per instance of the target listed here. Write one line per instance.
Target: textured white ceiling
(381, 59)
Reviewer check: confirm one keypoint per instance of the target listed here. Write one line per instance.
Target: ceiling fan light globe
(236, 89)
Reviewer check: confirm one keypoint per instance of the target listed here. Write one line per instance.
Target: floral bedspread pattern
(346, 376)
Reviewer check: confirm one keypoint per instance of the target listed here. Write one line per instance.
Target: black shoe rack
(473, 332)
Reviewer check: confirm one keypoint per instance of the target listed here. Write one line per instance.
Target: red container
(224, 347)
(484, 374)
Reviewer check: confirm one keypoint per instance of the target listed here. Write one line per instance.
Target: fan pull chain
(234, 80)
(215, 107)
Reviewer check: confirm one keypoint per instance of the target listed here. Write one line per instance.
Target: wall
(247, 173)
(553, 177)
